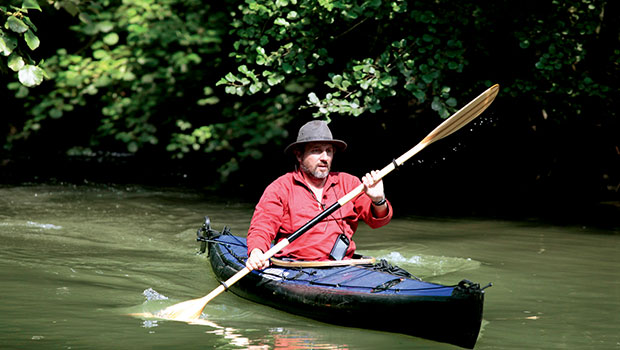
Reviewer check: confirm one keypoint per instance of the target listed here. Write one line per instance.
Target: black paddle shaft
(325, 213)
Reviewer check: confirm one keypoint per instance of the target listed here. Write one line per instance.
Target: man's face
(316, 159)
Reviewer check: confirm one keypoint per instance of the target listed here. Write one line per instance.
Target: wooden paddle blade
(463, 116)
(185, 311)
(450, 125)
(191, 310)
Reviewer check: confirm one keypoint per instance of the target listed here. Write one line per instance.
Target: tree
(225, 80)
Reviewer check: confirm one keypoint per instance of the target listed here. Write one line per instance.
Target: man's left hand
(373, 186)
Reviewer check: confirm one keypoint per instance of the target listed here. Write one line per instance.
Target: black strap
(395, 164)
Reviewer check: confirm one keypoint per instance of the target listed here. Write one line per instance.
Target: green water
(75, 260)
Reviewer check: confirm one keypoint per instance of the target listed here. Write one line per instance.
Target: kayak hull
(355, 296)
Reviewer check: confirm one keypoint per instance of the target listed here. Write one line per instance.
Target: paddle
(192, 309)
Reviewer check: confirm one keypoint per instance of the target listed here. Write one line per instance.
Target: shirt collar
(332, 178)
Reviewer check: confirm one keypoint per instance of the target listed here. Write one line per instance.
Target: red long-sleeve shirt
(288, 203)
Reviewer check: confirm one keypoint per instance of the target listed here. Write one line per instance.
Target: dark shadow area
(497, 166)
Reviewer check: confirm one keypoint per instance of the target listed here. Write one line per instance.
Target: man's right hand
(257, 260)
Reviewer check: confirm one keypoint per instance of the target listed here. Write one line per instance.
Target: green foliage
(560, 55)
(135, 57)
(284, 40)
(17, 39)
(240, 136)
(225, 79)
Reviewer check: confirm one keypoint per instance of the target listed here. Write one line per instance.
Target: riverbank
(433, 191)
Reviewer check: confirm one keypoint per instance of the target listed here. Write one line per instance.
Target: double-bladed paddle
(192, 309)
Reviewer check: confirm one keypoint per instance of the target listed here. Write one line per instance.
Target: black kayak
(372, 296)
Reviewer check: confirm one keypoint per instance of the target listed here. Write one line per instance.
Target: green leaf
(386, 80)
(111, 39)
(243, 69)
(209, 101)
(428, 78)
(275, 79)
(31, 75)
(31, 5)
(55, 113)
(32, 40)
(231, 77)
(254, 88)
(83, 17)
(337, 79)
(419, 95)
(281, 22)
(100, 54)
(16, 62)
(7, 43)
(105, 26)
(132, 147)
(313, 98)
(15, 24)
(69, 6)
(29, 23)
(524, 44)
(21, 92)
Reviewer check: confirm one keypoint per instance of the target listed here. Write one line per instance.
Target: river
(77, 259)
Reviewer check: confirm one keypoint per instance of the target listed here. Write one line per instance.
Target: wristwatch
(380, 203)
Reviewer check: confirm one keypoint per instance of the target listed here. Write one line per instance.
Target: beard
(316, 173)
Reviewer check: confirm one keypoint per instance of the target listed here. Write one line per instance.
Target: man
(298, 196)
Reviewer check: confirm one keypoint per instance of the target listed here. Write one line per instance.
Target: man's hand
(256, 260)
(373, 186)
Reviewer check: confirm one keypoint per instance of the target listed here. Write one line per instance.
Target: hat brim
(339, 144)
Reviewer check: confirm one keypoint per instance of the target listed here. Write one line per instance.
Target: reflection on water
(278, 338)
(75, 260)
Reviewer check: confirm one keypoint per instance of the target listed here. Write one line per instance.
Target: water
(76, 260)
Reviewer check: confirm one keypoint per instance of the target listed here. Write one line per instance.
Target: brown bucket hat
(315, 131)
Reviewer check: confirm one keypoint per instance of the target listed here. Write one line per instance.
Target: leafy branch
(17, 39)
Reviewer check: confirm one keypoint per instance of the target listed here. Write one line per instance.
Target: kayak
(367, 295)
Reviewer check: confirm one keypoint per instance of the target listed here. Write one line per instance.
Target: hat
(315, 131)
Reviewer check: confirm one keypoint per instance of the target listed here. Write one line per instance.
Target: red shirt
(288, 203)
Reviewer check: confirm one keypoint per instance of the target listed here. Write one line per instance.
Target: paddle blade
(192, 309)
(463, 116)
(189, 310)
(450, 125)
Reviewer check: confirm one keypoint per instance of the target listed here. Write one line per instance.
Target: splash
(152, 294)
(429, 265)
(152, 313)
(43, 226)
(149, 323)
